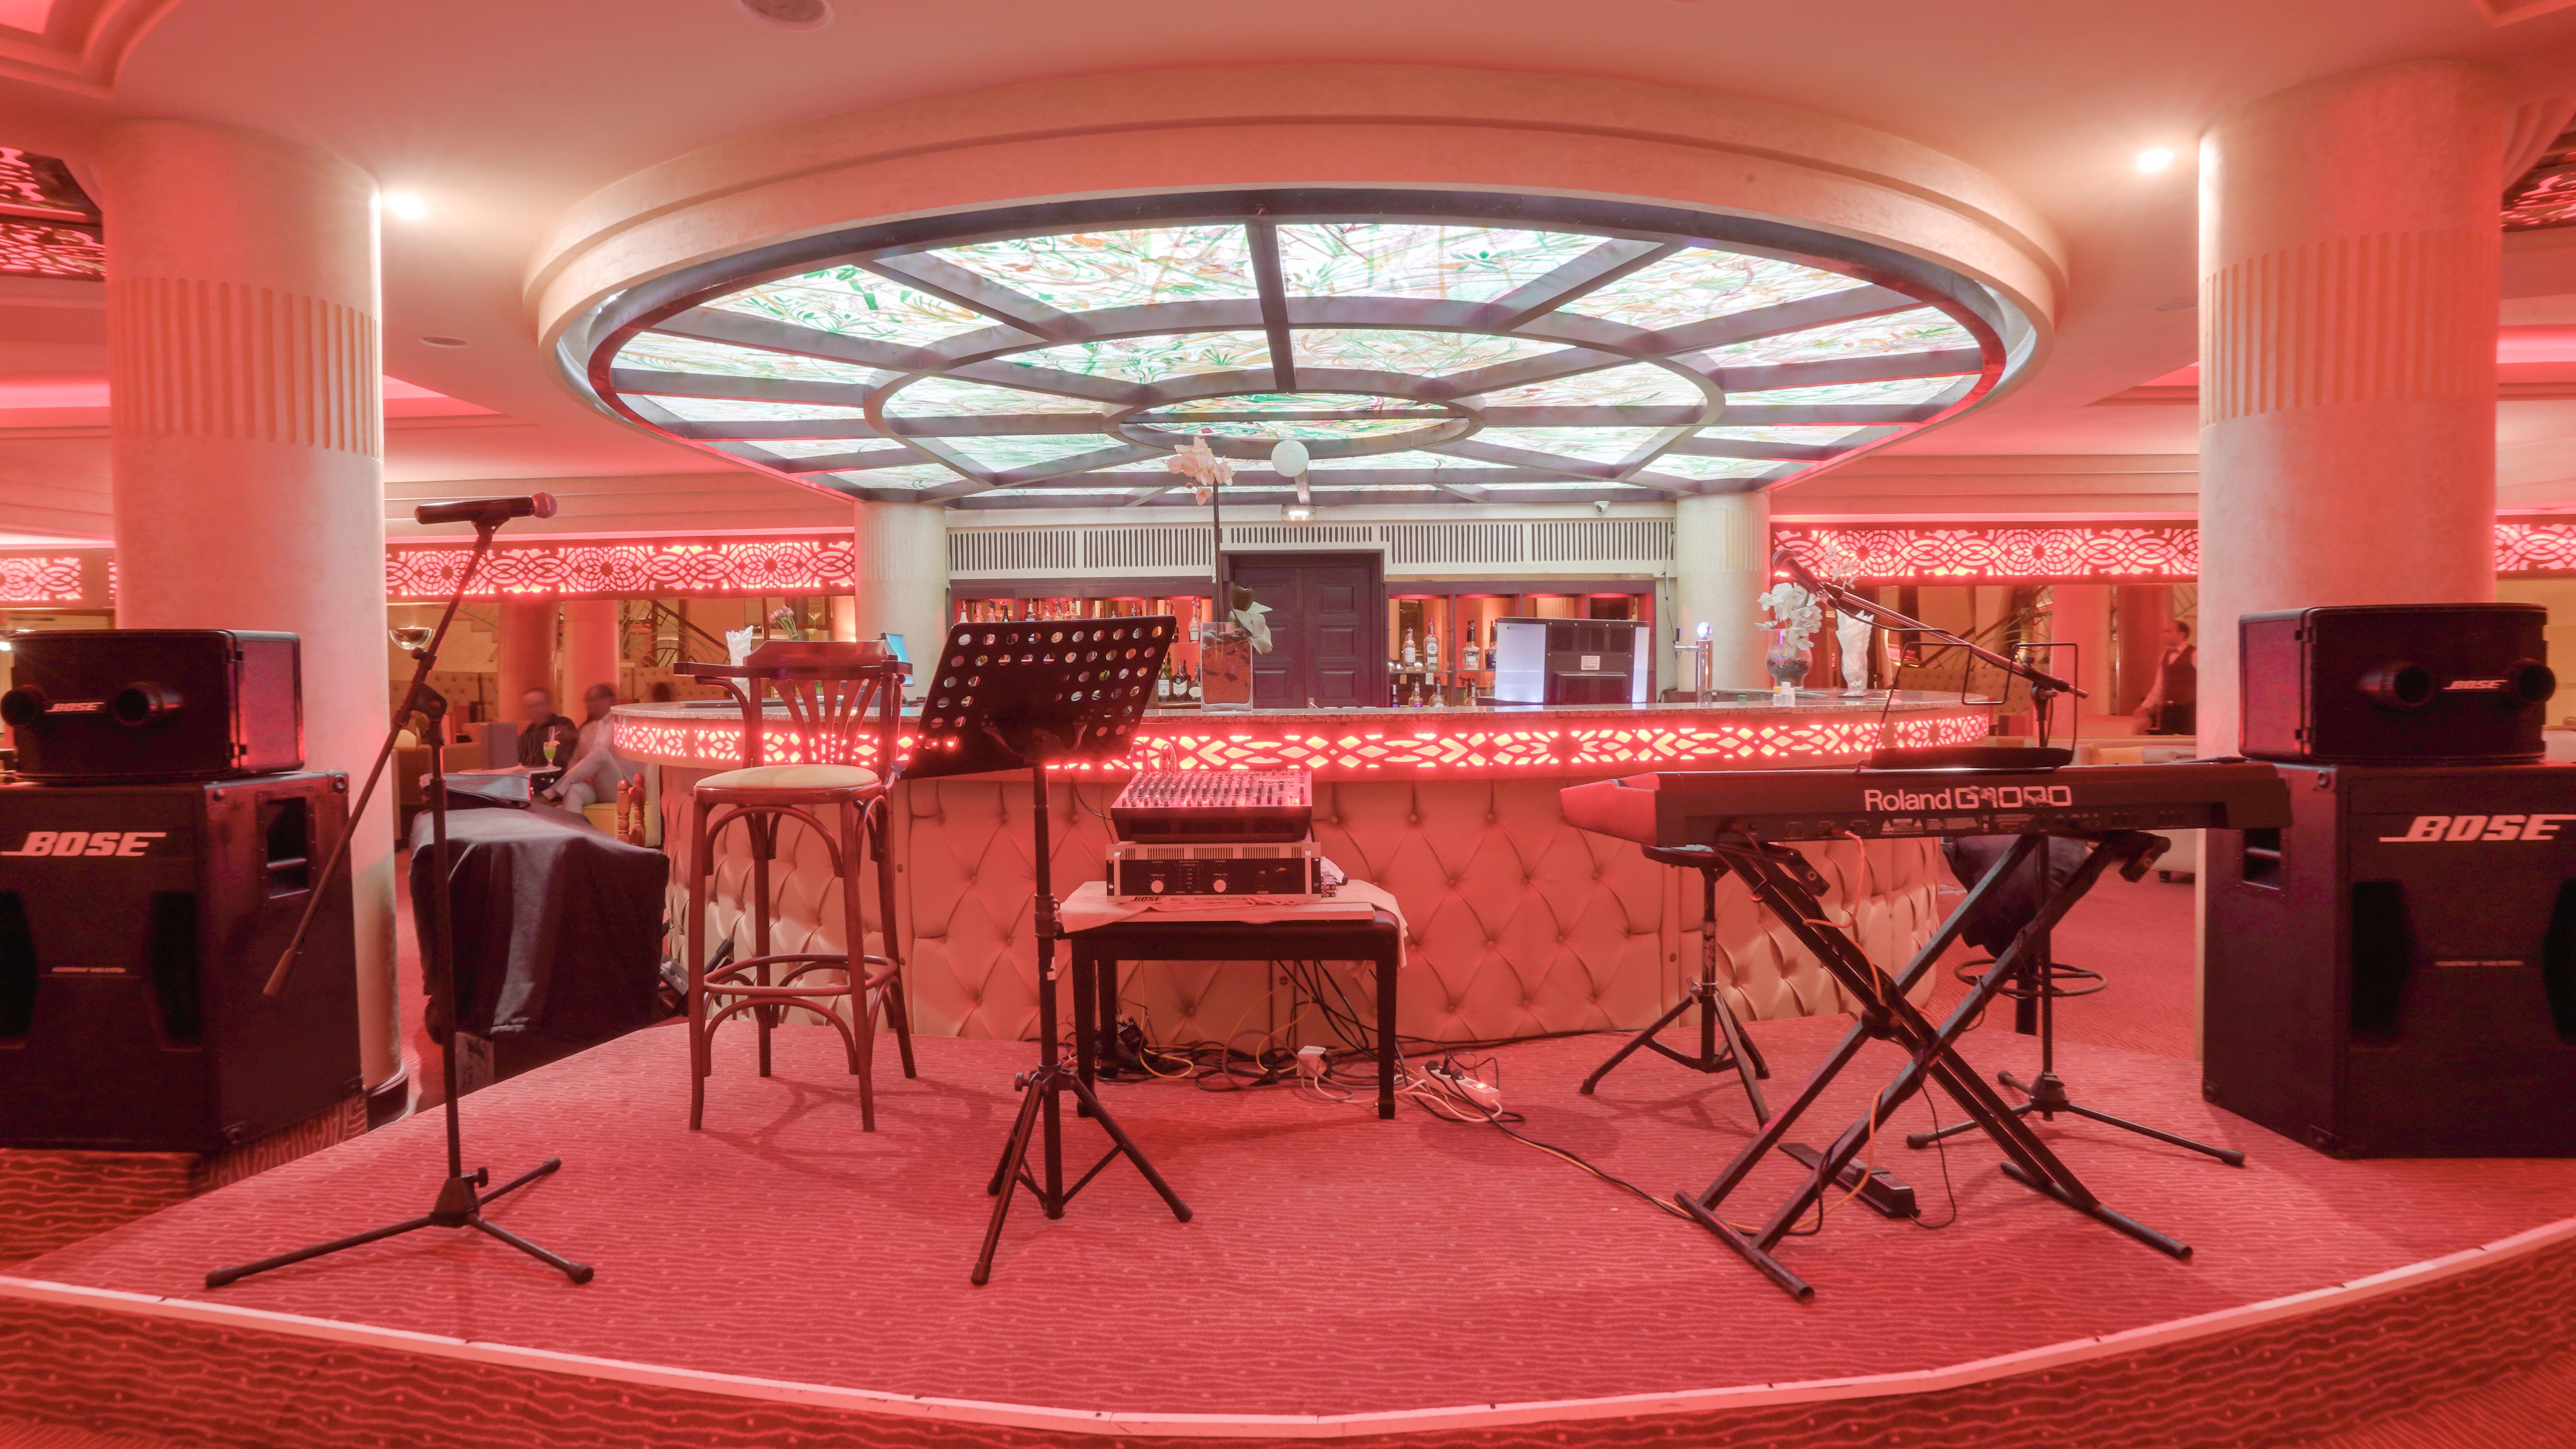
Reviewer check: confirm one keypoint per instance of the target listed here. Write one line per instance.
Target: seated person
(541, 724)
(595, 771)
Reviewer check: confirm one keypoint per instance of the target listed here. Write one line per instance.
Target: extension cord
(1310, 1063)
(1483, 1094)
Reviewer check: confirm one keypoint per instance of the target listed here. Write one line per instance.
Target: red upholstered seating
(844, 711)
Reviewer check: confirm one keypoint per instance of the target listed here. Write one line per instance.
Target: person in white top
(595, 772)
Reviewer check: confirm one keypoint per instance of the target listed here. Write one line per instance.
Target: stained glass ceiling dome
(1424, 347)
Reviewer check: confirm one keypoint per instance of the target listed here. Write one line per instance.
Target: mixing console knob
(1218, 886)
(1155, 885)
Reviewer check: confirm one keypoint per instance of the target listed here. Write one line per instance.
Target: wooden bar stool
(846, 709)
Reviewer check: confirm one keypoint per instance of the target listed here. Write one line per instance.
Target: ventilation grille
(1014, 552)
(1469, 547)
(1602, 540)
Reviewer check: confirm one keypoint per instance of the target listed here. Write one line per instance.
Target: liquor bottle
(1195, 692)
(1469, 659)
(1163, 682)
(1431, 651)
(1409, 655)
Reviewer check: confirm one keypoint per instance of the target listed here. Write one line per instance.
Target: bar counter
(1516, 922)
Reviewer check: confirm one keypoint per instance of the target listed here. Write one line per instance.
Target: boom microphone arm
(1880, 614)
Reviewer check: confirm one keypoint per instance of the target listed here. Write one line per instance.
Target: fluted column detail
(2349, 254)
(247, 438)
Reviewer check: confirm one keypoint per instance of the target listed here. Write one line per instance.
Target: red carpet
(1338, 1265)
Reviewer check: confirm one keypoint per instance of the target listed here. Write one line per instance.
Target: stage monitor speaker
(2394, 975)
(2395, 683)
(137, 926)
(155, 704)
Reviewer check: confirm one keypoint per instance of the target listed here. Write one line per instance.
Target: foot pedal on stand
(1887, 1194)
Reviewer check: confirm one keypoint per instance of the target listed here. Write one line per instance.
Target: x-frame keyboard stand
(1782, 882)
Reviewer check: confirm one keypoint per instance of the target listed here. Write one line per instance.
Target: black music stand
(1025, 696)
(461, 1198)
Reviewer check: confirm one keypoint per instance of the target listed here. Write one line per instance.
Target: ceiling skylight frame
(1552, 350)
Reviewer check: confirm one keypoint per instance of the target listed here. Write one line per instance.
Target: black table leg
(1387, 959)
(1086, 1029)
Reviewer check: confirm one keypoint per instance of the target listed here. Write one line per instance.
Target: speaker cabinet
(2394, 975)
(137, 926)
(155, 704)
(2396, 683)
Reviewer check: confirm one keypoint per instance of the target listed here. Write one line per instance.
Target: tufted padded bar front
(1517, 923)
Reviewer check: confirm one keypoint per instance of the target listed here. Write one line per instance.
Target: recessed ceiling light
(405, 205)
(2178, 304)
(2155, 159)
(791, 14)
(435, 340)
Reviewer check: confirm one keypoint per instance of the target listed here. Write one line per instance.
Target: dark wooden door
(1326, 613)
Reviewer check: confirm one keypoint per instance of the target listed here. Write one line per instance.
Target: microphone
(486, 510)
(1784, 559)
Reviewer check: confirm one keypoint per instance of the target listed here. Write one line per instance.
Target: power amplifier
(1271, 870)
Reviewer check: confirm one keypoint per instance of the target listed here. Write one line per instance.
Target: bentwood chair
(831, 775)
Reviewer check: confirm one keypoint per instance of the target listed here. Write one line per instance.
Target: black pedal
(1887, 1194)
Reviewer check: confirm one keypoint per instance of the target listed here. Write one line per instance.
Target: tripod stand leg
(522, 1180)
(1635, 1044)
(1014, 1147)
(577, 1272)
(1006, 1181)
(1127, 1145)
(222, 1276)
(1956, 1129)
(1739, 1047)
(2228, 1155)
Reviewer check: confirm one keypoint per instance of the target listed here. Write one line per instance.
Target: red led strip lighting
(1999, 553)
(1204, 745)
(608, 570)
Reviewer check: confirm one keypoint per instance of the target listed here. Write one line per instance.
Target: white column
(1721, 565)
(246, 439)
(2349, 251)
(901, 554)
(592, 650)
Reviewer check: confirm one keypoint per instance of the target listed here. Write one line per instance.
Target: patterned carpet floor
(1338, 1264)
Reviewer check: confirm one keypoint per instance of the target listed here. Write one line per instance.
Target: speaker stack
(156, 850)
(2394, 974)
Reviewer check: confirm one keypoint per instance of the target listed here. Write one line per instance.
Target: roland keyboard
(1699, 807)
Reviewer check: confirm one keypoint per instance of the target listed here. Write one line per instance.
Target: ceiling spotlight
(406, 205)
(791, 14)
(436, 340)
(2154, 159)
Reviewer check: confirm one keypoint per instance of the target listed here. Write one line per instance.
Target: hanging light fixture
(1288, 459)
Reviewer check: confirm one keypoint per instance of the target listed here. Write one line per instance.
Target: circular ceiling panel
(1425, 347)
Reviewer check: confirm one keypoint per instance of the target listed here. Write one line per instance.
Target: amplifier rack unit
(1265, 870)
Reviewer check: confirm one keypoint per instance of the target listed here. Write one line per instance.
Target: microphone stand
(460, 1200)
(2044, 687)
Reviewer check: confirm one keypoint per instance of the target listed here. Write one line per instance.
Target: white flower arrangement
(1206, 471)
(1792, 611)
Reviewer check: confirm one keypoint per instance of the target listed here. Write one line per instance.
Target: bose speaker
(138, 925)
(2394, 974)
(101, 705)
(2394, 684)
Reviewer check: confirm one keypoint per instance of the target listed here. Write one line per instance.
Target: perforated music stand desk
(1022, 697)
